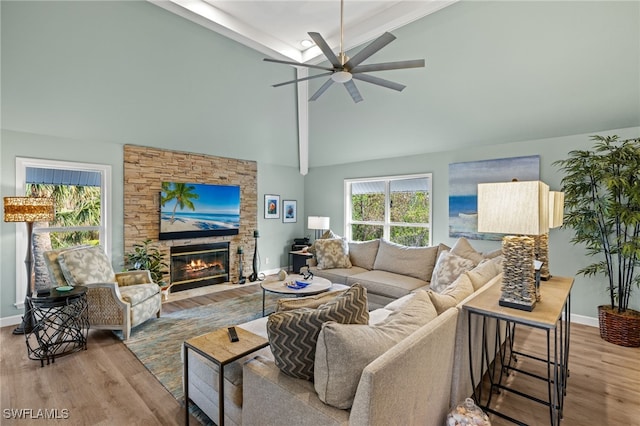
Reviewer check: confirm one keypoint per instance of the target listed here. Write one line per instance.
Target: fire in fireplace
(199, 265)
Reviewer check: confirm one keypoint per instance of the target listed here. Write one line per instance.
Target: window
(81, 192)
(395, 208)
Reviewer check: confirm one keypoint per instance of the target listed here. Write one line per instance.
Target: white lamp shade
(318, 222)
(520, 208)
(556, 208)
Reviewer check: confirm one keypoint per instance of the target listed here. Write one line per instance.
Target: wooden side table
(219, 349)
(298, 259)
(547, 315)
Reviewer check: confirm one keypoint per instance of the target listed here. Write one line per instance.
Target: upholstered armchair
(117, 301)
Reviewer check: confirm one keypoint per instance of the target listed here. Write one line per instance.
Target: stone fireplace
(199, 265)
(145, 169)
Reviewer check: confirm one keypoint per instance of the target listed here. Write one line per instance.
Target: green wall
(323, 183)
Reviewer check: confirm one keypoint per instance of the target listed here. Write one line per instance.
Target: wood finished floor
(107, 385)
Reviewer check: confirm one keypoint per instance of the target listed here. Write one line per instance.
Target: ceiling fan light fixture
(341, 76)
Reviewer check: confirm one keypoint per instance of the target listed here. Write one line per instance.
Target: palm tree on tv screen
(182, 193)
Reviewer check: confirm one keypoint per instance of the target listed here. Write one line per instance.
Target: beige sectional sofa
(414, 381)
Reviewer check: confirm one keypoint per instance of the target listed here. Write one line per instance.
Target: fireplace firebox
(199, 265)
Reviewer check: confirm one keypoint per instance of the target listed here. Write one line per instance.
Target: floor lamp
(254, 275)
(241, 277)
(520, 208)
(28, 210)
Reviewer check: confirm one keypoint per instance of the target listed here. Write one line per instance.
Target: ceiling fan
(344, 69)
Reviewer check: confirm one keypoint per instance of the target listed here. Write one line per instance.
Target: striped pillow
(293, 334)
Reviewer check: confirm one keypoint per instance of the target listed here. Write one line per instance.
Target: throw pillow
(343, 351)
(459, 290)
(307, 302)
(363, 253)
(55, 271)
(448, 268)
(85, 266)
(484, 272)
(293, 334)
(332, 253)
(417, 262)
(326, 235)
(463, 248)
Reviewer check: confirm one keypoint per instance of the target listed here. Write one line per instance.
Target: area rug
(158, 342)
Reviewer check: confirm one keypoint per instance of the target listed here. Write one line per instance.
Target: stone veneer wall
(144, 171)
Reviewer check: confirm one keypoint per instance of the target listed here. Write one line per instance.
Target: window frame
(22, 163)
(386, 233)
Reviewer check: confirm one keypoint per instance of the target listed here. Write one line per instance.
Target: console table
(547, 315)
(60, 323)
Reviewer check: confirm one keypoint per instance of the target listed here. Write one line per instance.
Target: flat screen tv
(194, 210)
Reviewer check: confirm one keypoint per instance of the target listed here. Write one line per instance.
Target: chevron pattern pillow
(293, 334)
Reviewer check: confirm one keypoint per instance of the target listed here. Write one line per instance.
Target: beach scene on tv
(199, 207)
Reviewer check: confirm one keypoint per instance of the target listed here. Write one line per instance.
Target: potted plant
(144, 256)
(602, 205)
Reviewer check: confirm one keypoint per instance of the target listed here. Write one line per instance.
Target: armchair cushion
(86, 266)
(55, 272)
(138, 293)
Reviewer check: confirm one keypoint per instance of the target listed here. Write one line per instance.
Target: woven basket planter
(619, 328)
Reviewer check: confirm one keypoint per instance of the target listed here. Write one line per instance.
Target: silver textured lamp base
(518, 282)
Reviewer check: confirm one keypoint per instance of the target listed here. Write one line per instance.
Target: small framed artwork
(271, 206)
(289, 211)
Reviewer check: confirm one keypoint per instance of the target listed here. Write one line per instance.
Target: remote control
(233, 336)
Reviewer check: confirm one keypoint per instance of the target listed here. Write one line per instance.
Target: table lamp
(556, 216)
(520, 209)
(28, 210)
(318, 223)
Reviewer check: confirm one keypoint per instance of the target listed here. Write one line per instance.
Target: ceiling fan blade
(303, 79)
(385, 66)
(319, 41)
(297, 64)
(369, 50)
(379, 81)
(321, 90)
(353, 91)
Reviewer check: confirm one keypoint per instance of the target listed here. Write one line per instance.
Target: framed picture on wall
(289, 211)
(271, 206)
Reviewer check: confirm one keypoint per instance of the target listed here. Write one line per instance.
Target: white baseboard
(584, 320)
(7, 321)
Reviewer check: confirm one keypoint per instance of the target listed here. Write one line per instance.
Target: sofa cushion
(459, 290)
(85, 266)
(337, 275)
(307, 302)
(463, 248)
(332, 253)
(448, 268)
(484, 272)
(344, 350)
(387, 284)
(417, 262)
(293, 334)
(363, 253)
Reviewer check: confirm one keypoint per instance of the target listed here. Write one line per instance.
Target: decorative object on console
(520, 208)
(319, 224)
(271, 206)
(290, 211)
(254, 275)
(343, 69)
(28, 210)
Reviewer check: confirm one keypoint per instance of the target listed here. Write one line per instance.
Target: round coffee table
(317, 285)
